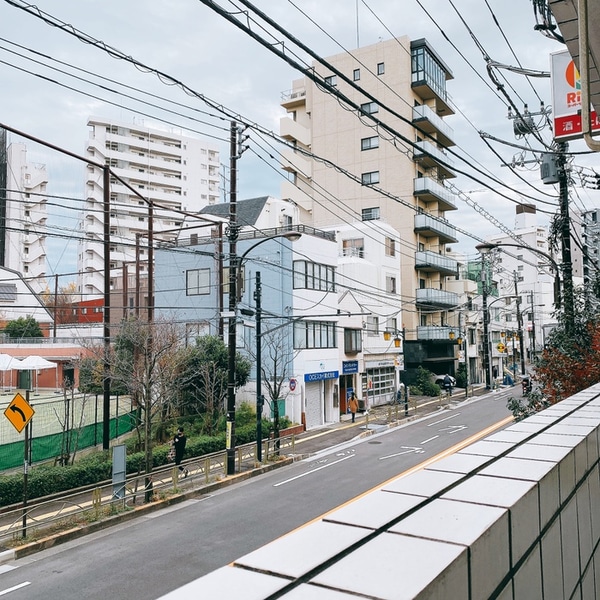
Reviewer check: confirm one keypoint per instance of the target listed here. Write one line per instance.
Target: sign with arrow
(19, 412)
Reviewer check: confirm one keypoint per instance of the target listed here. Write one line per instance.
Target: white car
(439, 379)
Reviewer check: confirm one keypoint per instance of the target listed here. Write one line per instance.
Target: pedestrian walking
(353, 406)
(179, 446)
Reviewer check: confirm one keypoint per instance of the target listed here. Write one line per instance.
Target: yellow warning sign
(501, 347)
(19, 412)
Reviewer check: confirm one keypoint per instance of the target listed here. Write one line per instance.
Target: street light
(292, 236)
(486, 247)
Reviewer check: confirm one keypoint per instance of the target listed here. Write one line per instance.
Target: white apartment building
(176, 174)
(23, 232)
(381, 176)
(528, 275)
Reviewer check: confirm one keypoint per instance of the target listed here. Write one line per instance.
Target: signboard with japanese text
(566, 98)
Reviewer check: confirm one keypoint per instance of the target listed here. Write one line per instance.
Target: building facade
(393, 173)
(24, 214)
(174, 174)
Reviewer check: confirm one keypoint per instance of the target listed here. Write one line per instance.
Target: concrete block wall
(515, 516)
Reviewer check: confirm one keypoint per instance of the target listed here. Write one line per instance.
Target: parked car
(439, 379)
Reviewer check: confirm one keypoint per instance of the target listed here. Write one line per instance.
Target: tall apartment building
(408, 81)
(172, 172)
(23, 214)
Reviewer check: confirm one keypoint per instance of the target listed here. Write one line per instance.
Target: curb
(77, 532)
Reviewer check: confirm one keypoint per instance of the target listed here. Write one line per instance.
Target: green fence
(48, 447)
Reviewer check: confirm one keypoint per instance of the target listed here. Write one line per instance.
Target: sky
(52, 82)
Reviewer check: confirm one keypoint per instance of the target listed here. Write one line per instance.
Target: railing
(91, 503)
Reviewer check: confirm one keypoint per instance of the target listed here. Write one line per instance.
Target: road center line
(14, 588)
(335, 462)
(442, 420)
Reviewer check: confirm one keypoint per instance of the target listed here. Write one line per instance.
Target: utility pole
(565, 234)
(520, 325)
(232, 235)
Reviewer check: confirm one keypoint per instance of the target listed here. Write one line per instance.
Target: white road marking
(407, 450)
(14, 588)
(430, 439)
(442, 420)
(454, 428)
(314, 470)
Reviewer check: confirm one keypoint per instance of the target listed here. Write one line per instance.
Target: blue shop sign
(308, 377)
(349, 366)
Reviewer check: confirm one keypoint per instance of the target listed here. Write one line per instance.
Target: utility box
(549, 169)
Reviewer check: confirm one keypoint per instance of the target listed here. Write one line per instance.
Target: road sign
(292, 384)
(501, 347)
(19, 412)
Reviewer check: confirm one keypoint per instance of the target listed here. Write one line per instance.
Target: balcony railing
(429, 226)
(436, 298)
(434, 332)
(433, 262)
(430, 190)
(430, 156)
(430, 122)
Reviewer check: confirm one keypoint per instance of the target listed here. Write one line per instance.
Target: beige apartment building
(378, 154)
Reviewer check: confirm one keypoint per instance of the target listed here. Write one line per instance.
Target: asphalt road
(152, 555)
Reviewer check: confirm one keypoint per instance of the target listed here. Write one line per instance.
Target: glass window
(315, 334)
(352, 341)
(356, 74)
(314, 276)
(369, 143)
(370, 178)
(372, 325)
(331, 80)
(369, 108)
(390, 285)
(353, 247)
(380, 68)
(370, 214)
(390, 246)
(198, 282)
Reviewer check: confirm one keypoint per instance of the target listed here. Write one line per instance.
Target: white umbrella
(36, 363)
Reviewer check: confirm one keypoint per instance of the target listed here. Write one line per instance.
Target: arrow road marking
(407, 450)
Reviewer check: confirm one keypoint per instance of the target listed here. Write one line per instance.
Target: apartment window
(390, 246)
(354, 247)
(369, 108)
(352, 341)
(356, 75)
(380, 68)
(197, 282)
(313, 276)
(8, 292)
(331, 80)
(372, 325)
(370, 178)
(390, 284)
(369, 143)
(370, 214)
(314, 334)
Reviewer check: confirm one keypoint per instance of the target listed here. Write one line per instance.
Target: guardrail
(86, 505)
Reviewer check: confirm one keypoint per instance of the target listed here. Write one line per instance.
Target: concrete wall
(513, 516)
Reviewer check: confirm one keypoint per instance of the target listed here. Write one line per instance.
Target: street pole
(232, 234)
(259, 396)
(520, 326)
(486, 324)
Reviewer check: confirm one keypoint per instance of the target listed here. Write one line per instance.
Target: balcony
(431, 262)
(293, 131)
(293, 98)
(434, 332)
(429, 190)
(294, 162)
(429, 226)
(429, 122)
(430, 156)
(432, 298)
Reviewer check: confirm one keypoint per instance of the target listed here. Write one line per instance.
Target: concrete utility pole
(520, 325)
(565, 234)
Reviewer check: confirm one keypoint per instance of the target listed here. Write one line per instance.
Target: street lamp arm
(292, 236)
